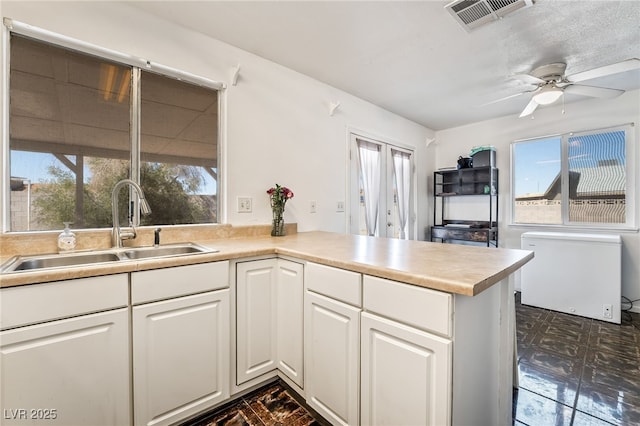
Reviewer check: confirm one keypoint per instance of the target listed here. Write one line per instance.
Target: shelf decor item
(483, 156)
(278, 197)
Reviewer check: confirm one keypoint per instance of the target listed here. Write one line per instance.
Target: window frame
(631, 177)
(136, 64)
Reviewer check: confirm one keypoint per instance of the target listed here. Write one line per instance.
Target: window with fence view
(574, 179)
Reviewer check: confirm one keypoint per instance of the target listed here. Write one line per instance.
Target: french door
(382, 201)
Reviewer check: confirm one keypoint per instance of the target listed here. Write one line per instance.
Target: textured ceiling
(412, 58)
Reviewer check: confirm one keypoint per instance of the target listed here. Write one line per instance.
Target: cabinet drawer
(335, 283)
(36, 303)
(157, 284)
(418, 307)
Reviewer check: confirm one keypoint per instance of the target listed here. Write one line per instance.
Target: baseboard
(635, 309)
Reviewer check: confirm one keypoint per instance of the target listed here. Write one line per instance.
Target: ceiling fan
(552, 83)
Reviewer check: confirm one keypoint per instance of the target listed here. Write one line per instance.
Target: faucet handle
(156, 236)
(132, 214)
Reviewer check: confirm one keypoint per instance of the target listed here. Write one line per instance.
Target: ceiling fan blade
(594, 92)
(528, 78)
(628, 65)
(528, 110)
(505, 98)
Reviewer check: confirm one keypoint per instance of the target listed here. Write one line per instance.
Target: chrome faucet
(118, 235)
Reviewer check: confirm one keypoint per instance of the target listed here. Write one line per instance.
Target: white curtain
(369, 162)
(402, 178)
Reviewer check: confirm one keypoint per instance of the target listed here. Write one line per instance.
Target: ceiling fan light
(547, 95)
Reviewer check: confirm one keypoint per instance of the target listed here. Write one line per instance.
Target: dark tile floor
(573, 371)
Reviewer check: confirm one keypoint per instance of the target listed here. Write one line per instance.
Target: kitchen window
(79, 123)
(584, 179)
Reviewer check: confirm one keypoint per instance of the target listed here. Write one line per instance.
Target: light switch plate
(244, 204)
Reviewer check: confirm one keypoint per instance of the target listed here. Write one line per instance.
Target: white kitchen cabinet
(332, 358)
(181, 341)
(406, 362)
(66, 371)
(269, 319)
(180, 357)
(332, 342)
(256, 287)
(374, 349)
(421, 349)
(290, 320)
(406, 374)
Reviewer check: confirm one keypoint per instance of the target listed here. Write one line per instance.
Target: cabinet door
(332, 356)
(255, 318)
(67, 372)
(406, 375)
(290, 320)
(180, 357)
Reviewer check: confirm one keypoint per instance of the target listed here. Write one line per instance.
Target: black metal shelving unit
(478, 181)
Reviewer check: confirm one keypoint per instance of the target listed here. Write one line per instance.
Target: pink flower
(279, 196)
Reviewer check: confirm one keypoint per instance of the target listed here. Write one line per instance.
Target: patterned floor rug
(271, 405)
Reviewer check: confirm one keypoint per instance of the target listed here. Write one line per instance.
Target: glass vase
(277, 227)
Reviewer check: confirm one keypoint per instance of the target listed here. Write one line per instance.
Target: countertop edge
(265, 246)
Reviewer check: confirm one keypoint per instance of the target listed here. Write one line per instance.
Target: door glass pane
(597, 177)
(68, 136)
(401, 193)
(179, 151)
(370, 165)
(537, 183)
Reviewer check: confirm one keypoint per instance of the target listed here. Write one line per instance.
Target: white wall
(584, 115)
(278, 128)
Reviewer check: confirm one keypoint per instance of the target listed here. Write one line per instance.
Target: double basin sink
(49, 261)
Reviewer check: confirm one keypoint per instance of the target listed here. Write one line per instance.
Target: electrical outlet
(312, 206)
(340, 206)
(244, 204)
(607, 311)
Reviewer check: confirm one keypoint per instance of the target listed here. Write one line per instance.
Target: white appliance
(578, 274)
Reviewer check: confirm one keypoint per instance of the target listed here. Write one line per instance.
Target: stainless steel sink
(166, 251)
(30, 263)
(50, 261)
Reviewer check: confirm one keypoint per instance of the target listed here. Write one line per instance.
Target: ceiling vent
(472, 14)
